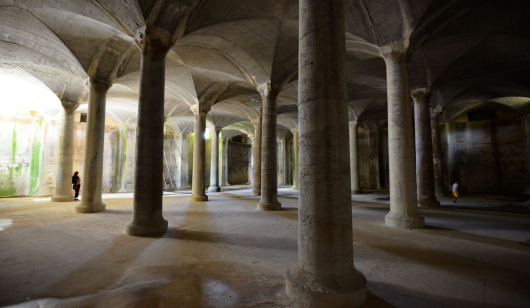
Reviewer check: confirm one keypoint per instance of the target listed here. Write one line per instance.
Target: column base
(310, 290)
(428, 203)
(357, 192)
(402, 221)
(62, 198)
(214, 189)
(92, 208)
(294, 188)
(274, 206)
(133, 229)
(198, 198)
(256, 192)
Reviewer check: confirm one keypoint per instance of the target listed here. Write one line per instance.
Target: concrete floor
(224, 253)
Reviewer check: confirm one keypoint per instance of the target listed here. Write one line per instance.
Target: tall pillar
(281, 161)
(256, 154)
(269, 161)
(224, 164)
(354, 158)
(289, 161)
(251, 160)
(147, 202)
(403, 200)
(65, 157)
(324, 275)
(214, 162)
(295, 167)
(437, 155)
(92, 175)
(424, 149)
(199, 154)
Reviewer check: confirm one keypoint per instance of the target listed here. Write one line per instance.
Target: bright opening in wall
(23, 94)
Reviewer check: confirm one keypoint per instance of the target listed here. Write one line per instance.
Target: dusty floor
(224, 253)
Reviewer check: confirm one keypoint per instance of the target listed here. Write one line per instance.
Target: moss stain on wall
(7, 189)
(35, 160)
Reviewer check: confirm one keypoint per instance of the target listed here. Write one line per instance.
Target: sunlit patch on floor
(4, 223)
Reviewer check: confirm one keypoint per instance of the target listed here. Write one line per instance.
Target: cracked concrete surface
(224, 253)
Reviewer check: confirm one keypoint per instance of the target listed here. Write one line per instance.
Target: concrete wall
(488, 156)
(239, 155)
(373, 158)
(384, 165)
(27, 155)
(364, 157)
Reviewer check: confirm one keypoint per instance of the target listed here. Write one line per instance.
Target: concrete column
(199, 154)
(437, 155)
(214, 162)
(269, 161)
(295, 167)
(92, 176)
(281, 161)
(289, 161)
(403, 200)
(65, 157)
(224, 164)
(324, 275)
(424, 150)
(147, 202)
(354, 158)
(251, 161)
(256, 154)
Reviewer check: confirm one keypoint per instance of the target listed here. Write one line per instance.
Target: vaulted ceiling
(466, 51)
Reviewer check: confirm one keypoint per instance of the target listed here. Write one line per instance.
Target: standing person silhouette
(455, 191)
(76, 182)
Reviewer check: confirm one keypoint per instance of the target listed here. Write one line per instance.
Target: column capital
(353, 124)
(421, 95)
(153, 39)
(70, 107)
(294, 130)
(256, 121)
(251, 135)
(99, 82)
(268, 89)
(396, 52)
(199, 109)
(217, 130)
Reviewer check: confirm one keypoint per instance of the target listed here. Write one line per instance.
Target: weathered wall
(384, 165)
(27, 155)
(373, 158)
(488, 156)
(364, 157)
(238, 160)
(118, 156)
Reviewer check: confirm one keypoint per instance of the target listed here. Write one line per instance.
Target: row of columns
(324, 274)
